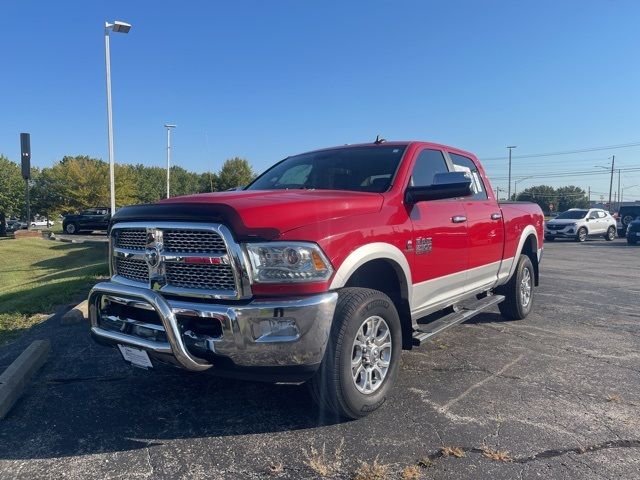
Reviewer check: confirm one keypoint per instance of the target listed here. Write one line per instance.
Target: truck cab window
(465, 164)
(428, 163)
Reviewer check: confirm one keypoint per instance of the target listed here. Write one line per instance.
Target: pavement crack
(557, 452)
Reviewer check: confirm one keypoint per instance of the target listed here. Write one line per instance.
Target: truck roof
(400, 143)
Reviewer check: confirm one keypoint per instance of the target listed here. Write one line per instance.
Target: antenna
(379, 140)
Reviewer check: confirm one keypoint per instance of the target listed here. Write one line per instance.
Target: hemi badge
(204, 260)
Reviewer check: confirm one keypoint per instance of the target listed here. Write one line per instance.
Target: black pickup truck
(87, 220)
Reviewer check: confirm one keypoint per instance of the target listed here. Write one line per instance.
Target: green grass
(37, 275)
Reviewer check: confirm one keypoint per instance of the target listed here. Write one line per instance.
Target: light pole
(515, 184)
(169, 126)
(509, 187)
(117, 27)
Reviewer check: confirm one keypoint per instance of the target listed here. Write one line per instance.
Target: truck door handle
(496, 216)
(458, 219)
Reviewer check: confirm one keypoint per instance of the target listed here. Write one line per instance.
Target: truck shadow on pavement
(87, 400)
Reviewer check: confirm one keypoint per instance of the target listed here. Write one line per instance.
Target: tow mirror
(445, 185)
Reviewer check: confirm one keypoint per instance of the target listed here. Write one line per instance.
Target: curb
(14, 379)
(77, 314)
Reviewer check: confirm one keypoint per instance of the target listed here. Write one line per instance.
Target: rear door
(439, 240)
(485, 227)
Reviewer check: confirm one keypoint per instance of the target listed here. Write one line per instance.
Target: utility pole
(619, 191)
(589, 195)
(509, 188)
(613, 162)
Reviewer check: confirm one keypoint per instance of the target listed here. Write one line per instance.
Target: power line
(565, 152)
(577, 173)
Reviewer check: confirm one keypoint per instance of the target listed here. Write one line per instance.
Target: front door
(439, 243)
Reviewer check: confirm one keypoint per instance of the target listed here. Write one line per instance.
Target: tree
(12, 188)
(46, 198)
(150, 183)
(183, 182)
(208, 182)
(543, 195)
(81, 182)
(571, 197)
(235, 172)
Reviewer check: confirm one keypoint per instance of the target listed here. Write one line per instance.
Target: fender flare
(526, 233)
(368, 252)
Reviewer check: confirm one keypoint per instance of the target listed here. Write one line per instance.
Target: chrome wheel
(71, 228)
(525, 287)
(371, 354)
(582, 235)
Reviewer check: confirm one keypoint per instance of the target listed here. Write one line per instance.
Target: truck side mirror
(445, 185)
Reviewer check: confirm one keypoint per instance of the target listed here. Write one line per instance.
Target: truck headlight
(287, 262)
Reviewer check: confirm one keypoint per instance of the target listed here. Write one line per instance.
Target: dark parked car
(87, 220)
(13, 225)
(626, 215)
(633, 232)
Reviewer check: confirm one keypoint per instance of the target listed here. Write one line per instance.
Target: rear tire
(582, 235)
(341, 384)
(631, 241)
(518, 291)
(611, 234)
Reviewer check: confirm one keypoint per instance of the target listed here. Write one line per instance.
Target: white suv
(579, 224)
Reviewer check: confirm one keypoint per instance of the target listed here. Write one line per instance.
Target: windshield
(361, 169)
(572, 214)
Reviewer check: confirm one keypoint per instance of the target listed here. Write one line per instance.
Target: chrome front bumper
(259, 333)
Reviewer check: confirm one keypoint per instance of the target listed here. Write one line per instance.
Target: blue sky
(263, 80)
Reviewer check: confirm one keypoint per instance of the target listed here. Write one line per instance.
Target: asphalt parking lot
(560, 391)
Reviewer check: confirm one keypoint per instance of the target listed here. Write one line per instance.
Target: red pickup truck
(321, 270)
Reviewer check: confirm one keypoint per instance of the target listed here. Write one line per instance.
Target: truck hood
(257, 213)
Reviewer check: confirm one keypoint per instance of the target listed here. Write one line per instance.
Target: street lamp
(515, 184)
(117, 27)
(509, 187)
(168, 126)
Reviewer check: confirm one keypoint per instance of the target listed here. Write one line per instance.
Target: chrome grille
(132, 269)
(132, 239)
(209, 277)
(193, 241)
(193, 259)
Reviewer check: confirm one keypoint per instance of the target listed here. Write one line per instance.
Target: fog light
(275, 329)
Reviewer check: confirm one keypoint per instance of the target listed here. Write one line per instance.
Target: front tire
(362, 357)
(631, 241)
(611, 234)
(582, 235)
(518, 291)
(71, 228)
(549, 239)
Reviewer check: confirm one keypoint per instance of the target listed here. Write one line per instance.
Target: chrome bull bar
(273, 332)
(175, 346)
